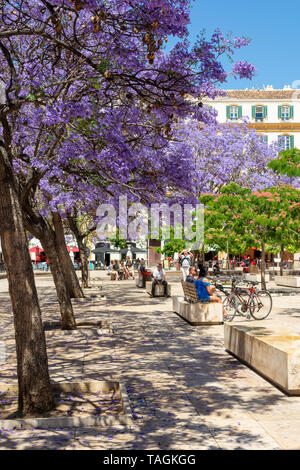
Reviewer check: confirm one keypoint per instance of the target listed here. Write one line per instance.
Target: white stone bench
(288, 281)
(256, 277)
(199, 313)
(159, 289)
(274, 352)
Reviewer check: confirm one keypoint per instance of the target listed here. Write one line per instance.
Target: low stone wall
(272, 351)
(198, 314)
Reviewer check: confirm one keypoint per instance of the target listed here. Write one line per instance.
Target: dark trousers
(164, 283)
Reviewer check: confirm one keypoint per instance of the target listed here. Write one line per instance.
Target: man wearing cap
(159, 277)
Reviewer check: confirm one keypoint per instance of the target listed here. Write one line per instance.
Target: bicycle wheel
(261, 305)
(230, 304)
(243, 302)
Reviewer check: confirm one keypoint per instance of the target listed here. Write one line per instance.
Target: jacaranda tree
(58, 59)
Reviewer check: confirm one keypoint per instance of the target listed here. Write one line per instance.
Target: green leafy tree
(288, 163)
(239, 219)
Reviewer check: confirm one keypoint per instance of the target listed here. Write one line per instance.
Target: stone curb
(70, 422)
(103, 327)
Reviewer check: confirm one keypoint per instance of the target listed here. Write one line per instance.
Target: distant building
(273, 113)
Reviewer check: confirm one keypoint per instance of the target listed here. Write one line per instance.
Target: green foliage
(171, 247)
(103, 66)
(288, 163)
(246, 219)
(118, 243)
(31, 97)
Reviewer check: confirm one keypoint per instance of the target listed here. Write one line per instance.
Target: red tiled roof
(262, 94)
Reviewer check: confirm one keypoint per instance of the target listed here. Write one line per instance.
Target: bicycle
(248, 299)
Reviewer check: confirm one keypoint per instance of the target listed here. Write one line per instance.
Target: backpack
(183, 258)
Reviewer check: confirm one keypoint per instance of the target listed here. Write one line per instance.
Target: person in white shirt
(159, 277)
(186, 261)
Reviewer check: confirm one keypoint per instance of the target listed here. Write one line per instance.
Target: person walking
(185, 258)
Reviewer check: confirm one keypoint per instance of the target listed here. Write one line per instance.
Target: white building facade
(273, 113)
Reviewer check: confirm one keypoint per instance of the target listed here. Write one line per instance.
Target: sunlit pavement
(185, 391)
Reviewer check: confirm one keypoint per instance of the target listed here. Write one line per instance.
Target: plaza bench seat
(159, 289)
(195, 312)
(142, 278)
(256, 277)
(288, 281)
(272, 351)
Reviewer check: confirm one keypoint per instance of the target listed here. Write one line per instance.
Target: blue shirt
(201, 289)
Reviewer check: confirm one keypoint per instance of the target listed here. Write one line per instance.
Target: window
(285, 112)
(259, 113)
(234, 112)
(286, 142)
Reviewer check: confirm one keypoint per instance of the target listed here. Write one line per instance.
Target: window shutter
(253, 111)
(265, 111)
(279, 112)
(266, 138)
(291, 112)
(228, 112)
(292, 142)
(240, 112)
(279, 141)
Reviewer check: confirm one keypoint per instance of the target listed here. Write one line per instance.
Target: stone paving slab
(185, 391)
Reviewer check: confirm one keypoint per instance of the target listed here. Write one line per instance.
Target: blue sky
(273, 27)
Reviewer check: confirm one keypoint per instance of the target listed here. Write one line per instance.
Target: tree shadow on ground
(185, 392)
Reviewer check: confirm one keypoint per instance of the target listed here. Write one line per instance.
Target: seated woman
(206, 292)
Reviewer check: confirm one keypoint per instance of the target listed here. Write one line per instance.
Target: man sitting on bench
(192, 274)
(159, 277)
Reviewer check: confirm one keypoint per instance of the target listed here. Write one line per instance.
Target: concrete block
(256, 277)
(198, 314)
(288, 281)
(273, 351)
(159, 289)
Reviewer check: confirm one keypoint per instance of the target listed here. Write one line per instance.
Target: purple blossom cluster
(97, 108)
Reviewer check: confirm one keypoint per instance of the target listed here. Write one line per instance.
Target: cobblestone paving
(185, 391)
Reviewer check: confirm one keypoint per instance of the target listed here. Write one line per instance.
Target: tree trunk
(84, 263)
(48, 242)
(71, 278)
(227, 249)
(82, 251)
(263, 267)
(35, 395)
(281, 259)
(203, 254)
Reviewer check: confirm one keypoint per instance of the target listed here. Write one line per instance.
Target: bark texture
(71, 278)
(35, 395)
(263, 267)
(82, 251)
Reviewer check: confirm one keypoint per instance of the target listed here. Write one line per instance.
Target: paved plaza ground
(185, 390)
